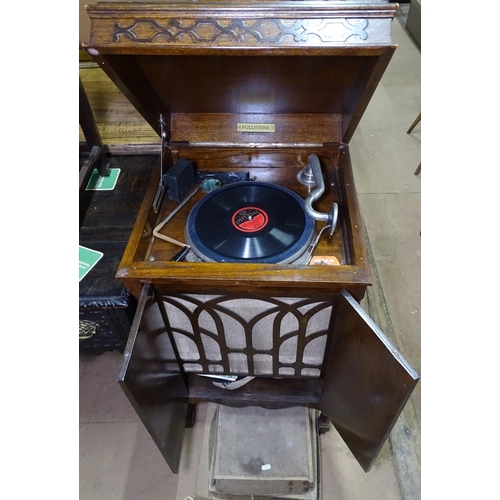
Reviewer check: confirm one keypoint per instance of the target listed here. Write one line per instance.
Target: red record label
(250, 219)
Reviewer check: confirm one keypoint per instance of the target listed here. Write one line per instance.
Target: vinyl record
(249, 222)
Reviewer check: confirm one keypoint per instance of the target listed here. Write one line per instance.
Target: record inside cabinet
(250, 222)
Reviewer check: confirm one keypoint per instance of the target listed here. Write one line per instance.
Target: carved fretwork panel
(243, 335)
(243, 25)
(241, 31)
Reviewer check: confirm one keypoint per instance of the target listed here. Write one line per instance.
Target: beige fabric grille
(278, 336)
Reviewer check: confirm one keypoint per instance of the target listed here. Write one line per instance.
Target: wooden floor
(118, 121)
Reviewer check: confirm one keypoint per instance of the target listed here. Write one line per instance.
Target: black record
(249, 222)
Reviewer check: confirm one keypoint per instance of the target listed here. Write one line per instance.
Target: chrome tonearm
(312, 175)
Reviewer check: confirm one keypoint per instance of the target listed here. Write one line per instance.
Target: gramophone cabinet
(249, 97)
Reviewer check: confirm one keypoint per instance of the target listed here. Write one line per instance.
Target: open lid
(194, 63)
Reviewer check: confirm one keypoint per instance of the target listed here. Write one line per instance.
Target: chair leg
(418, 169)
(414, 124)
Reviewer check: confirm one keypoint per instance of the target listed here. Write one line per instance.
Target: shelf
(262, 391)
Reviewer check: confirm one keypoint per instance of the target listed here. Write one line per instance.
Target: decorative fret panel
(240, 31)
(250, 336)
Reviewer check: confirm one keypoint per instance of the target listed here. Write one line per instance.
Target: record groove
(249, 222)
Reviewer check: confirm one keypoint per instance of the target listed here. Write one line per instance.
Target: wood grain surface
(117, 120)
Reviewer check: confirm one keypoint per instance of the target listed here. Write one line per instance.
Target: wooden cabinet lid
(245, 71)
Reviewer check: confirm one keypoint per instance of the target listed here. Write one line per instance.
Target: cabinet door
(367, 382)
(151, 379)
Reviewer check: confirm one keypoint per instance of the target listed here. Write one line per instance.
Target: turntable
(250, 222)
(230, 261)
(256, 222)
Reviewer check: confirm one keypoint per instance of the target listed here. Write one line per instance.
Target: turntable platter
(250, 222)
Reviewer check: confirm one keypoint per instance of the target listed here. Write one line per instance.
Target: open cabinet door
(367, 382)
(151, 379)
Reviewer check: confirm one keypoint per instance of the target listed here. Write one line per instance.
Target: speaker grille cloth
(280, 336)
